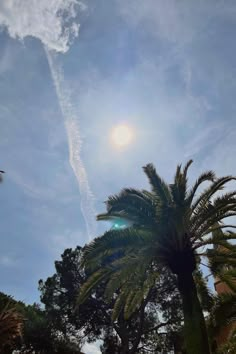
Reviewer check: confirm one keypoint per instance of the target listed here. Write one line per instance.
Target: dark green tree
(168, 228)
(59, 295)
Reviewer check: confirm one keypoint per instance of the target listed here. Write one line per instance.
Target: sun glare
(121, 135)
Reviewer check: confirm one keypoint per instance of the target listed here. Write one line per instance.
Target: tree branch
(163, 324)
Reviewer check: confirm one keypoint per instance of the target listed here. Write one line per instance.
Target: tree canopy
(93, 318)
(168, 229)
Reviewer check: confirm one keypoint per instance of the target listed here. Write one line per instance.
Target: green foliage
(204, 293)
(222, 313)
(168, 228)
(59, 295)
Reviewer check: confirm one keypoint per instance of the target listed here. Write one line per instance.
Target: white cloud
(75, 144)
(54, 22)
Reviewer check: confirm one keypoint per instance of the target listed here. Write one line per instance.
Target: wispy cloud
(178, 22)
(75, 143)
(55, 23)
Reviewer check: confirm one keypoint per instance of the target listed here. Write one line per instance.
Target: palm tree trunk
(124, 346)
(196, 339)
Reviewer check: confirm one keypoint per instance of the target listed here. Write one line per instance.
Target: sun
(122, 135)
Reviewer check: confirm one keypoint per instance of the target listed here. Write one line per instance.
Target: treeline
(140, 288)
(59, 325)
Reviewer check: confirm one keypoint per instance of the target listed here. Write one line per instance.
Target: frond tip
(158, 185)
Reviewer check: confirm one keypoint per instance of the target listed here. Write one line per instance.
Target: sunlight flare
(122, 135)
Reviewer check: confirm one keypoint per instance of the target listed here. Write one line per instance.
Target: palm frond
(186, 167)
(179, 187)
(224, 310)
(206, 195)
(131, 295)
(207, 215)
(131, 266)
(142, 197)
(141, 291)
(116, 240)
(229, 278)
(96, 278)
(218, 238)
(208, 176)
(119, 304)
(158, 185)
(220, 259)
(205, 295)
(136, 300)
(132, 205)
(11, 326)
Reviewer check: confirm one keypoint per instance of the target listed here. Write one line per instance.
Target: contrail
(74, 142)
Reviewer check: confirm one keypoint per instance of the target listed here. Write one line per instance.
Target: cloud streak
(55, 24)
(74, 142)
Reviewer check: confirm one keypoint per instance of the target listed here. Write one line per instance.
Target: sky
(70, 71)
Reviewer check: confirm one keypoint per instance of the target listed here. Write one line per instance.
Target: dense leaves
(92, 319)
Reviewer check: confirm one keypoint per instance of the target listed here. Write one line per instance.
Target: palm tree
(11, 326)
(168, 228)
(222, 315)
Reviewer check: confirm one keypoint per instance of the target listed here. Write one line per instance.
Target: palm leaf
(91, 284)
(208, 176)
(179, 187)
(224, 310)
(215, 186)
(159, 187)
(11, 326)
(116, 240)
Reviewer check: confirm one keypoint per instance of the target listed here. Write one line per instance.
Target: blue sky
(166, 68)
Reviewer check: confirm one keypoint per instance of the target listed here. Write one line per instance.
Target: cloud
(75, 144)
(205, 139)
(54, 22)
